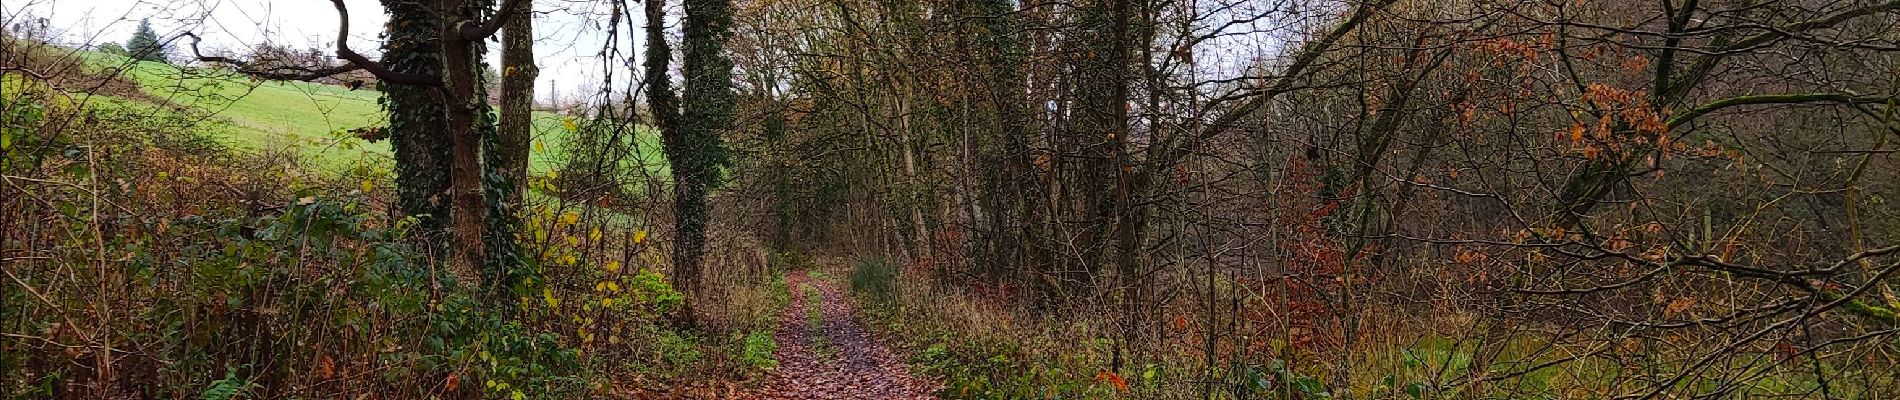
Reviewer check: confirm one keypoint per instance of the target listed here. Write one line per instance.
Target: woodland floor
(834, 357)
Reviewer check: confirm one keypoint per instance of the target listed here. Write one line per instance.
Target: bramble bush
(215, 273)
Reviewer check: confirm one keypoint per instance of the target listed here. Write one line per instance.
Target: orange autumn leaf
(1180, 322)
(1603, 127)
(1113, 379)
(326, 368)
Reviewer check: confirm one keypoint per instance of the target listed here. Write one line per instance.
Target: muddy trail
(824, 353)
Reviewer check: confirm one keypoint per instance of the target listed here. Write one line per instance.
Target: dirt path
(838, 359)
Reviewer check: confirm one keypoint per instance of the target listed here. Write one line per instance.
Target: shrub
(238, 275)
(875, 277)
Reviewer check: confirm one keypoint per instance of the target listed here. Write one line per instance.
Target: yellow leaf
(549, 296)
(613, 266)
(594, 235)
(570, 218)
(569, 123)
(613, 286)
(639, 236)
(367, 186)
(539, 148)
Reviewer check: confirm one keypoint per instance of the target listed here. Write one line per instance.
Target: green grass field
(312, 119)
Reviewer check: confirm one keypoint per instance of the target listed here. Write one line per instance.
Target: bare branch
(472, 30)
(343, 51)
(1791, 98)
(278, 73)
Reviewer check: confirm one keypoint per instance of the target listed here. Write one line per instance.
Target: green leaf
(227, 388)
(1309, 386)
(1416, 390)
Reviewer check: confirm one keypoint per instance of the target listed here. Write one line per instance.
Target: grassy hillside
(312, 119)
(235, 274)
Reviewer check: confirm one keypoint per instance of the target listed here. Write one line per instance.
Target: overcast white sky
(569, 33)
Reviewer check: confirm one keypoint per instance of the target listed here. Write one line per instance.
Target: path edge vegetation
(1029, 199)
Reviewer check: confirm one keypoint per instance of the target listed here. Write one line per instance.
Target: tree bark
(517, 102)
(465, 183)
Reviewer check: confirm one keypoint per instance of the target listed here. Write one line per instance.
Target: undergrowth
(146, 259)
(983, 348)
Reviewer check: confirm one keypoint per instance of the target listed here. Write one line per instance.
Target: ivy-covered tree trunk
(418, 128)
(661, 101)
(693, 147)
(1012, 211)
(663, 104)
(1101, 125)
(506, 148)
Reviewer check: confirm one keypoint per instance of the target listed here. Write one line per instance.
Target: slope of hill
(312, 119)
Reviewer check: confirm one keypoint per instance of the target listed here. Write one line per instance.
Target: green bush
(212, 249)
(875, 277)
(678, 351)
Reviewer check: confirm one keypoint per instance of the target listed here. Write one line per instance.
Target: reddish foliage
(1314, 266)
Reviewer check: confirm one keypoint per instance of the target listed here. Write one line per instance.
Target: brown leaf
(326, 368)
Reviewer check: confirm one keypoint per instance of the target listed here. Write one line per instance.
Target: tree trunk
(920, 234)
(1011, 210)
(1102, 123)
(664, 107)
(517, 102)
(465, 191)
(417, 130)
(692, 143)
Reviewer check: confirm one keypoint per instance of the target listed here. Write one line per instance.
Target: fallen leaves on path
(852, 365)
